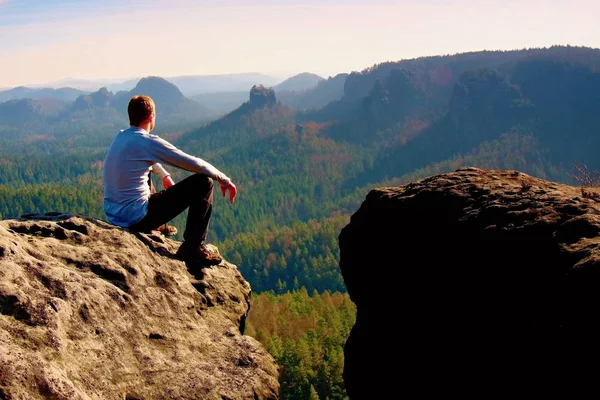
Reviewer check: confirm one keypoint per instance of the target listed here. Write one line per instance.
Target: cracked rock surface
(91, 311)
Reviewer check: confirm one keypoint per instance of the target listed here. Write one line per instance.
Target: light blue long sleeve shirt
(125, 170)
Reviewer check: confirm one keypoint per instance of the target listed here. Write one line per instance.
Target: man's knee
(203, 180)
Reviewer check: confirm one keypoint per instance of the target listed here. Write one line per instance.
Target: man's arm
(171, 155)
(163, 175)
(168, 182)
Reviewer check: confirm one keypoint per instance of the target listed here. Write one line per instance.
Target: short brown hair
(139, 109)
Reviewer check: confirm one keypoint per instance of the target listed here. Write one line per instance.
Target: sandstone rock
(91, 311)
(261, 96)
(473, 284)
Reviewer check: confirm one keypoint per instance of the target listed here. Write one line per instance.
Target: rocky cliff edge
(91, 311)
(474, 284)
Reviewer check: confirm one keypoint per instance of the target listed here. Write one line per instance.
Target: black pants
(194, 192)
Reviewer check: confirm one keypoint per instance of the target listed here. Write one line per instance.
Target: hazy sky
(48, 40)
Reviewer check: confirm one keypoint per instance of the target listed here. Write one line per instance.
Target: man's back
(124, 177)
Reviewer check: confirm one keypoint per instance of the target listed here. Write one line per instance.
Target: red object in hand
(167, 182)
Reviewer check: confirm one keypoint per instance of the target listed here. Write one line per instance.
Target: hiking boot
(200, 256)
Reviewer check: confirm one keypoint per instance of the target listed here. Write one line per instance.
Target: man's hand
(232, 191)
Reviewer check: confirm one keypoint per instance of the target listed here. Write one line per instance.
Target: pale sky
(47, 40)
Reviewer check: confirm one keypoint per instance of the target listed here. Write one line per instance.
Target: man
(128, 199)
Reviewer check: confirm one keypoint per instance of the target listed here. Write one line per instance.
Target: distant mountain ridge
(197, 84)
(168, 99)
(325, 91)
(188, 84)
(302, 81)
(100, 108)
(22, 92)
(218, 94)
(301, 91)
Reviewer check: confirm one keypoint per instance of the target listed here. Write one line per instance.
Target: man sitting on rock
(128, 198)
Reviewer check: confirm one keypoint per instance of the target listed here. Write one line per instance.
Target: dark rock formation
(91, 311)
(261, 96)
(474, 283)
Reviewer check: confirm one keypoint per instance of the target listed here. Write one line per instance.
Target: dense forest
(306, 335)
(301, 172)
